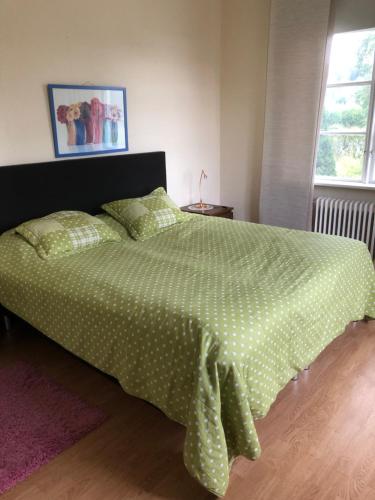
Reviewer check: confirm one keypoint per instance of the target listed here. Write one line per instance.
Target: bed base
(366, 319)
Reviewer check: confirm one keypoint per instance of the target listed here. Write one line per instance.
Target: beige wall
(195, 71)
(166, 52)
(354, 15)
(245, 27)
(243, 78)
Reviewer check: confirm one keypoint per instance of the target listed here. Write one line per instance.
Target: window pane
(346, 108)
(352, 57)
(341, 156)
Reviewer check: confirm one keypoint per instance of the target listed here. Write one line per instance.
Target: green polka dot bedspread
(208, 320)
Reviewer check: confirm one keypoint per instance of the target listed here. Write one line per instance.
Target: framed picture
(88, 120)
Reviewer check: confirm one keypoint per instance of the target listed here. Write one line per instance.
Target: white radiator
(353, 219)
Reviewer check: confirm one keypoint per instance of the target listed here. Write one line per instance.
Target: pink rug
(38, 420)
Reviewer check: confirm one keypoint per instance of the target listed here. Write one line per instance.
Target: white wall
(245, 28)
(194, 70)
(166, 52)
(345, 193)
(354, 15)
(243, 84)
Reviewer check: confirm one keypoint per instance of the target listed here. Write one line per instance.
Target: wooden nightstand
(217, 211)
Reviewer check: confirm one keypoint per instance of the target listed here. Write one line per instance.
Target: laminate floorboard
(318, 439)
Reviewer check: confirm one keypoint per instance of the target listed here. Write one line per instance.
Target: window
(347, 134)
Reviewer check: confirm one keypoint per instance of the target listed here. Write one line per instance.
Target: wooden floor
(318, 440)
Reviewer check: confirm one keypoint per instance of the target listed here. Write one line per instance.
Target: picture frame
(88, 120)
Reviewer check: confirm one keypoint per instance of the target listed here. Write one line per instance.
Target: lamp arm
(203, 176)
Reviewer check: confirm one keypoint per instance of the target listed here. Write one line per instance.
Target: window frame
(368, 169)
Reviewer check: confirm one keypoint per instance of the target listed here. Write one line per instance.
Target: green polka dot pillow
(65, 233)
(147, 216)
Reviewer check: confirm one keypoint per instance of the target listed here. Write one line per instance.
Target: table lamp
(201, 206)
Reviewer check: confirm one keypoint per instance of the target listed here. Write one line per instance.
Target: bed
(208, 320)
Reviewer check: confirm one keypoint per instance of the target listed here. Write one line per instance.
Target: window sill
(342, 184)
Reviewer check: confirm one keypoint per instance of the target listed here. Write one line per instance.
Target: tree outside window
(347, 129)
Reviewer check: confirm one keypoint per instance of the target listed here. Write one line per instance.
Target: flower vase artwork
(97, 114)
(75, 110)
(88, 119)
(115, 118)
(71, 126)
(89, 123)
(62, 112)
(107, 125)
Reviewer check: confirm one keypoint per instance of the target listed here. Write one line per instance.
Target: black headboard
(33, 190)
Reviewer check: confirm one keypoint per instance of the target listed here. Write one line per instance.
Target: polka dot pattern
(146, 216)
(66, 232)
(208, 320)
